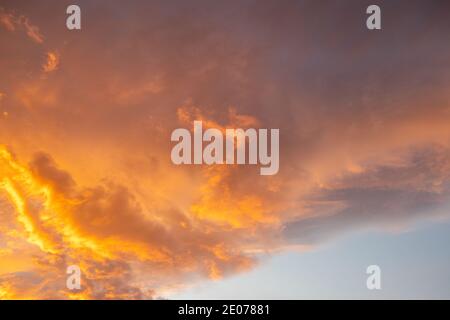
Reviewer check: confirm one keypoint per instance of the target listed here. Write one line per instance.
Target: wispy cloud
(13, 22)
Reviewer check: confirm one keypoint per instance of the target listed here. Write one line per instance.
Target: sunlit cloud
(13, 22)
(52, 62)
(85, 171)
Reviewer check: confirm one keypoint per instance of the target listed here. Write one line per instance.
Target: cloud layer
(86, 117)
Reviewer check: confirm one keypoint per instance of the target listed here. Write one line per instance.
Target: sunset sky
(86, 176)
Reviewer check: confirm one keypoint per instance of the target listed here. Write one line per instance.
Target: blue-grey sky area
(414, 264)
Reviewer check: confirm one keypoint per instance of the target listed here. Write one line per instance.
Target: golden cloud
(12, 22)
(52, 62)
(87, 181)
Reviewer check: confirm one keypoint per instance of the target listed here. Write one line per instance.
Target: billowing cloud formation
(85, 171)
(104, 231)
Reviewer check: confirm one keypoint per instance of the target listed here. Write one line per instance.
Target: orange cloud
(52, 62)
(91, 182)
(102, 225)
(12, 22)
(7, 20)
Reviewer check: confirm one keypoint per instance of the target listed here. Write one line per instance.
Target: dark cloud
(381, 198)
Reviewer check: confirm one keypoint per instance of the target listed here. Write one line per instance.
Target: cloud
(85, 170)
(31, 30)
(52, 62)
(389, 197)
(7, 20)
(100, 227)
(12, 22)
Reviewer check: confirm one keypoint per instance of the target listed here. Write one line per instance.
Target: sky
(86, 176)
(338, 270)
